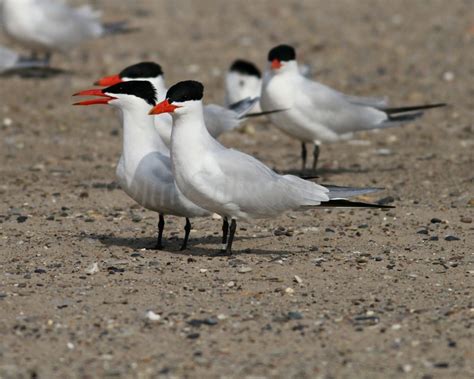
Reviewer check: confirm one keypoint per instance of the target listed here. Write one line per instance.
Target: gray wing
(257, 190)
(319, 103)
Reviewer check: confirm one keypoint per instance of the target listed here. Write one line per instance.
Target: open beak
(108, 81)
(163, 107)
(276, 64)
(103, 98)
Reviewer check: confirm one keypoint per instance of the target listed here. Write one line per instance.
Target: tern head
(181, 98)
(282, 57)
(147, 71)
(246, 68)
(131, 95)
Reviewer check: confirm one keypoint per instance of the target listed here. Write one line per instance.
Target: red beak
(104, 99)
(107, 81)
(276, 64)
(163, 107)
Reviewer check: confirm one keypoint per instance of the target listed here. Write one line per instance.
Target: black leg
(315, 156)
(225, 231)
(187, 230)
(161, 227)
(233, 227)
(304, 153)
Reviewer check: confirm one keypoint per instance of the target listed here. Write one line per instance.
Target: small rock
(448, 76)
(244, 269)
(152, 316)
(230, 284)
(289, 290)
(298, 279)
(435, 220)
(451, 238)
(294, 316)
(21, 219)
(92, 269)
(466, 220)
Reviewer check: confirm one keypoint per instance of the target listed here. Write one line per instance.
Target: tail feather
(265, 113)
(243, 106)
(342, 193)
(117, 27)
(403, 117)
(413, 108)
(343, 203)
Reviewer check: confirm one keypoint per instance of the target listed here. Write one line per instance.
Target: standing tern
(218, 119)
(144, 169)
(226, 181)
(317, 113)
(47, 26)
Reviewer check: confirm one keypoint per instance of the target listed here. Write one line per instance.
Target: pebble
(21, 219)
(211, 321)
(152, 316)
(435, 220)
(230, 284)
(202, 270)
(448, 76)
(466, 220)
(294, 315)
(451, 238)
(244, 269)
(289, 290)
(93, 268)
(298, 279)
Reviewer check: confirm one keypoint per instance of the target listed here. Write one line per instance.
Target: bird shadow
(36, 73)
(173, 244)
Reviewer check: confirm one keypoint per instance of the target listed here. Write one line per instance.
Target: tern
(144, 169)
(228, 182)
(218, 119)
(317, 113)
(244, 80)
(47, 26)
(10, 60)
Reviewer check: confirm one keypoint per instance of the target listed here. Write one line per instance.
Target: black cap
(283, 53)
(139, 88)
(185, 91)
(142, 70)
(245, 67)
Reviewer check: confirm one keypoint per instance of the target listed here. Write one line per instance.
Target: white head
(242, 80)
(184, 98)
(143, 71)
(133, 96)
(282, 59)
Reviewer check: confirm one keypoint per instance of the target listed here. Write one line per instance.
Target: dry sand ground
(383, 294)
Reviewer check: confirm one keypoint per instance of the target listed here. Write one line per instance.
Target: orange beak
(163, 107)
(276, 64)
(108, 81)
(104, 99)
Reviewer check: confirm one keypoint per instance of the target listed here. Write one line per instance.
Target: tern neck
(160, 87)
(139, 137)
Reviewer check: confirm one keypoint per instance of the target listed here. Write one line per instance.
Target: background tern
(144, 169)
(218, 119)
(226, 181)
(244, 79)
(12, 61)
(317, 113)
(47, 26)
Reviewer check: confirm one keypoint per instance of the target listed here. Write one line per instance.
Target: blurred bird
(144, 169)
(218, 119)
(317, 113)
(47, 26)
(228, 182)
(11, 61)
(244, 79)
